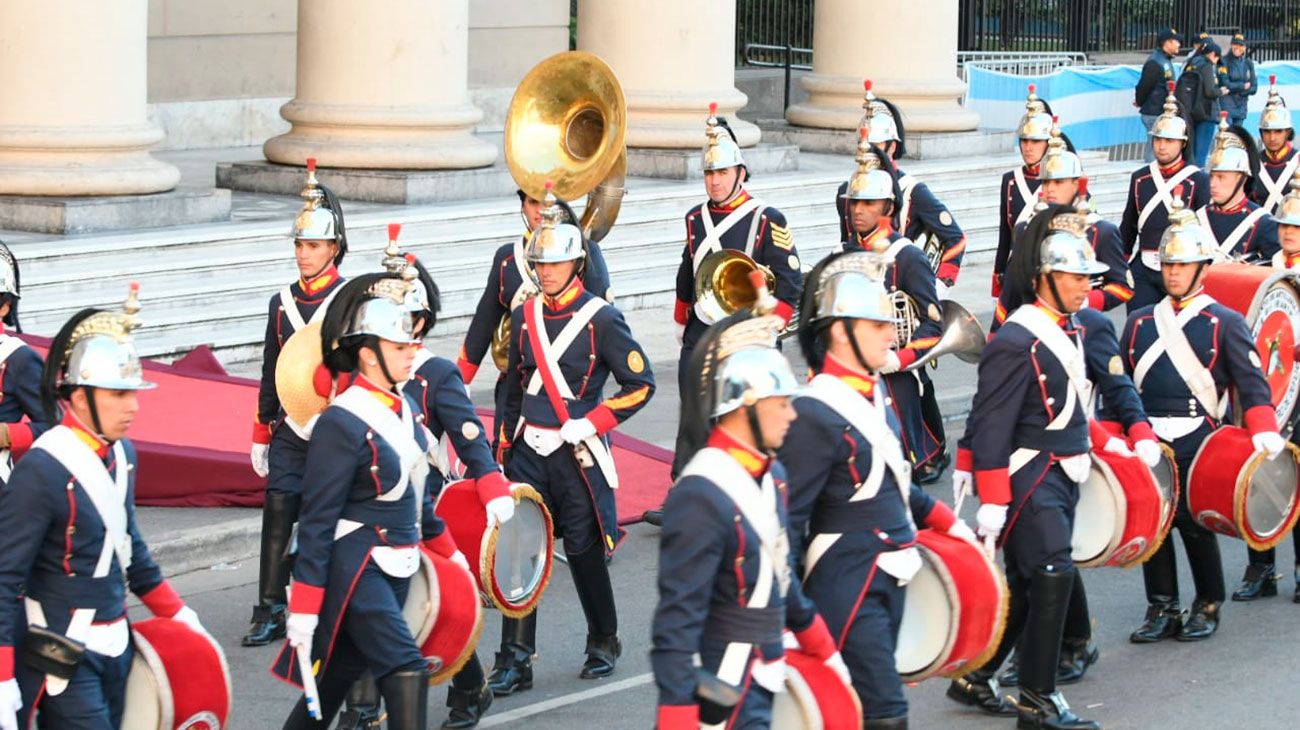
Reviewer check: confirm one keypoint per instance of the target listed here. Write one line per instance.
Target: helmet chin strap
(1056, 295)
(857, 351)
(756, 430)
(94, 411)
(383, 364)
(735, 188)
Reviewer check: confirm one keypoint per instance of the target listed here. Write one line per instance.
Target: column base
(402, 187)
(674, 121)
(83, 172)
(686, 164)
(64, 215)
(920, 145)
(835, 102)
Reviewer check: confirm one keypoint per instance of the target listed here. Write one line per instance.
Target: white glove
(577, 430)
(941, 289)
(1270, 442)
(789, 641)
(500, 510)
(681, 333)
(892, 364)
(459, 559)
(1149, 452)
(11, 701)
(299, 629)
(187, 616)
(990, 519)
(260, 455)
(1116, 445)
(962, 530)
(836, 661)
(963, 483)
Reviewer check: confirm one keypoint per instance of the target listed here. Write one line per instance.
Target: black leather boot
(513, 669)
(596, 594)
(1260, 581)
(889, 723)
(1049, 711)
(980, 689)
(1164, 620)
(1010, 677)
(467, 706)
(1076, 656)
(363, 706)
(1297, 582)
(654, 516)
(406, 695)
(602, 656)
(279, 513)
(1202, 623)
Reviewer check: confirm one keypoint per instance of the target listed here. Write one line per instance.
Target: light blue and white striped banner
(1096, 105)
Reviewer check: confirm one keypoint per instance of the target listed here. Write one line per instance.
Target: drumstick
(990, 546)
(309, 690)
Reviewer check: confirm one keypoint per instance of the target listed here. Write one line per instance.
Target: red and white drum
(178, 679)
(1119, 519)
(513, 560)
(1165, 473)
(954, 612)
(815, 698)
(1270, 301)
(1236, 491)
(443, 612)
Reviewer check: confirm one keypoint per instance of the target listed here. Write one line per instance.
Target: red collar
(387, 397)
(85, 434)
(1032, 170)
(566, 297)
(1291, 260)
(878, 238)
(1179, 303)
(736, 202)
(856, 379)
(1057, 317)
(1237, 207)
(1281, 154)
(1178, 165)
(755, 462)
(319, 281)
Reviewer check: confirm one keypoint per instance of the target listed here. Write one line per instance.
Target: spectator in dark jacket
(1202, 98)
(1237, 75)
(1149, 95)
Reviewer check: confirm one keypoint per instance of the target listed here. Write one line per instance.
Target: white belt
(1151, 259)
(544, 441)
(1172, 428)
(109, 639)
(399, 562)
(1076, 467)
(902, 564)
(6, 464)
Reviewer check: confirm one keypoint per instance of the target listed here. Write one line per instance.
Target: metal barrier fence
(768, 31)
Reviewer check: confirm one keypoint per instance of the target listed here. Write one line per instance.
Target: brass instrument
(907, 317)
(962, 337)
(932, 247)
(722, 284)
(567, 124)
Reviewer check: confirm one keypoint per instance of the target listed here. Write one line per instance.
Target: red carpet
(193, 431)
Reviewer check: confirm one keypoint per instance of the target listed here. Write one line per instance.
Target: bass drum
(1121, 511)
(443, 613)
(1236, 491)
(815, 698)
(1270, 301)
(179, 679)
(1165, 473)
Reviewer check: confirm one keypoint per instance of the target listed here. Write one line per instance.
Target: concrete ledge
(400, 187)
(87, 214)
(920, 145)
(685, 164)
(199, 548)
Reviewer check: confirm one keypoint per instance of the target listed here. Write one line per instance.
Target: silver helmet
(720, 150)
(1275, 114)
(315, 221)
(554, 240)
(870, 181)
(396, 262)
(387, 314)
(1185, 241)
(1170, 124)
(853, 287)
(8, 272)
(1230, 153)
(1066, 248)
(877, 118)
(1036, 124)
(101, 351)
(1288, 211)
(1059, 163)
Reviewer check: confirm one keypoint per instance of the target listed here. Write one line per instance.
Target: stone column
(673, 58)
(72, 100)
(382, 85)
(908, 48)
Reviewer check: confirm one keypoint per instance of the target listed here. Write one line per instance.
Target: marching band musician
(365, 516)
(72, 544)
(1146, 214)
(1036, 374)
(20, 374)
(871, 196)
(564, 345)
(1279, 160)
(1183, 354)
(279, 449)
(860, 518)
(733, 220)
(1261, 577)
(1019, 188)
(1239, 226)
(726, 588)
(509, 284)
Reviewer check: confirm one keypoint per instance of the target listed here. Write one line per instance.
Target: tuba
(567, 123)
(962, 336)
(722, 284)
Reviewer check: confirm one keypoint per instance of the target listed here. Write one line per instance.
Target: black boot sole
(255, 638)
(956, 694)
(511, 689)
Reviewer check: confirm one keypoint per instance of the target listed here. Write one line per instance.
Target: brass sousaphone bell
(722, 284)
(567, 123)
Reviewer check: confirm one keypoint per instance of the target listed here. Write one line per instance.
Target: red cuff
(678, 717)
(1141, 431)
(784, 311)
(20, 439)
(491, 486)
(994, 486)
(941, 517)
(261, 433)
(906, 357)
(467, 370)
(997, 286)
(1097, 300)
(681, 312)
(304, 598)
(1261, 419)
(1098, 435)
(162, 600)
(6, 663)
(443, 544)
(602, 418)
(965, 460)
(816, 640)
(948, 273)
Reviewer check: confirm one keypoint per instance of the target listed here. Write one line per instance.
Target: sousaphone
(567, 124)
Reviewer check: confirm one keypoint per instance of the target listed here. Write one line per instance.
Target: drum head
(1274, 328)
(522, 553)
(1166, 474)
(144, 698)
(796, 707)
(1271, 495)
(421, 607)
(929, 621)
(1098, 517)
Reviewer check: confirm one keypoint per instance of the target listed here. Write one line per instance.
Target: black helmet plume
(52, 371)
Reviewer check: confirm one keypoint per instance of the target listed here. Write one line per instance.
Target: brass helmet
(720, 150)
(877, 118)
(1036, 122)
(1288, 211)
(1170, 124)
(852, 286)
(1066, 248)
(101, 351)
(555, 239)
(1232, 153)
(1185, 241)
(1275, 114)
(871, 181)
(1059, 163)
(321, 217)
